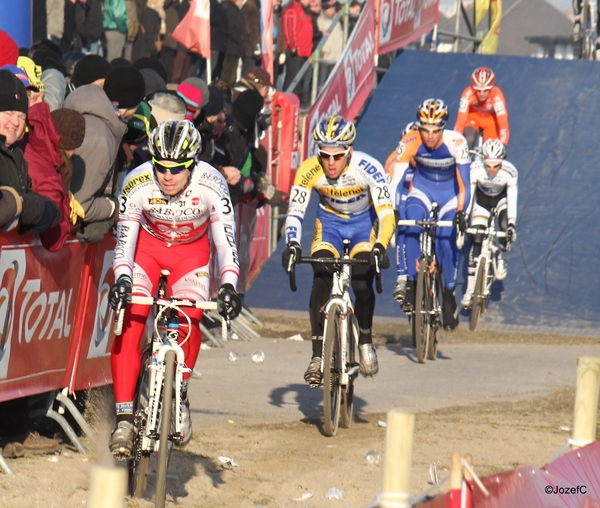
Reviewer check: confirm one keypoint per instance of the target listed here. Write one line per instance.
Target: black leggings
(362, 286)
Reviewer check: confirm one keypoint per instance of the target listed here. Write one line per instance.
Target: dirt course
(292, 464)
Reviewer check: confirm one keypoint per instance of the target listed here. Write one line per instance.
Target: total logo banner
(403, 21)
(350, 81)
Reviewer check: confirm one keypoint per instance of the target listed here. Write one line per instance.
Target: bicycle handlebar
(475, 231)
(330, 261)
(149, 300)
(426, 222)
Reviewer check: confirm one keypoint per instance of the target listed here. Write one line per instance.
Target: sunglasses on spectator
(337, 156)
(171, 166)
(431, 131)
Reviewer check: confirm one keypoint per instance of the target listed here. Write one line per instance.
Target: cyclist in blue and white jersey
(440, 158)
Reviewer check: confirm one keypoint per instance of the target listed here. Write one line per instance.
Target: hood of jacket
(91, 100)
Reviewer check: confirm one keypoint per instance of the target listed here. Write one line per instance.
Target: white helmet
(493, 151)
(175, 140)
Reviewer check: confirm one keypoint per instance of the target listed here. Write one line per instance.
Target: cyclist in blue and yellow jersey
(440, 158)
(354, 204)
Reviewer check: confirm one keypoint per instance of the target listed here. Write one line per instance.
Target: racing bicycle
(340, 339)
(158, 401)
(487, 263)
(426, 315)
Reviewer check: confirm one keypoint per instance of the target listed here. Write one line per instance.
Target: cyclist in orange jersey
(483, 107)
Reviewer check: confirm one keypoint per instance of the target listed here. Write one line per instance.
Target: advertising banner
(38, 301)
(401, 22)
(351, 80)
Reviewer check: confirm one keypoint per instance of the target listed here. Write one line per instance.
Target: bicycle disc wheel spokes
(332, 363)
(165, 430)
(347, 401)
(422, 316)
(478, 293)
(137, 466)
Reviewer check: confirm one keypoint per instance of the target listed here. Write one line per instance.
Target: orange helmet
(482, 79)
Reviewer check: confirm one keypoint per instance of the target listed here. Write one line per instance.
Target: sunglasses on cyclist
(431, 131)
(172, 167)
(337, 156)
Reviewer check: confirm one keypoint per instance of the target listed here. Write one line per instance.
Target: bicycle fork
(157, 373)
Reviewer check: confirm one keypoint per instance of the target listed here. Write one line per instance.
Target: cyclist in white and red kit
(167, 207)
(494, 183)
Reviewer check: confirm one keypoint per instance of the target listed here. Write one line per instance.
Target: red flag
(193, 31)
(266, 26)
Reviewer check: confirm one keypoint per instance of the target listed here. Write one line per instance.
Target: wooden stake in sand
(586, 401)
(108, 487)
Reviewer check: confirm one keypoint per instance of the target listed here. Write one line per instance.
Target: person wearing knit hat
(154, 64)
(9, 51)
(91, 69)
(13, 97)
(247, 107)
(167, 106)
(34, 72)
(125, 87)
(70, 124)
(194, 91)
(216, 102)
(153, 81)
(22, 75)
(19, 204)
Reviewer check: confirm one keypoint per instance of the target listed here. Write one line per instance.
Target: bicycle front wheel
(165, 430)
(347, 402)
(422, 315)
(137, 466)
(434, 320)
(479, 293)
(332, 368)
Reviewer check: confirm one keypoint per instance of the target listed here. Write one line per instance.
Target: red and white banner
(350, 82)
(50, 303)
(401, 22)
(193, 31)
(266, 29)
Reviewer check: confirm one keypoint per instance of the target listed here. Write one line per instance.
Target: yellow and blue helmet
(335, 131)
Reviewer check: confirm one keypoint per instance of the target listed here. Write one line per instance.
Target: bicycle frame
(340, 295)
(489, 247)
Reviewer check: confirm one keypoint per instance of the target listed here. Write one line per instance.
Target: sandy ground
(288, 464)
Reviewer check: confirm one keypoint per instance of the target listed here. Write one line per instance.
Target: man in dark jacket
(218, 37)
(253, 51)
(88, 26)
(236, 41)
(19, 205)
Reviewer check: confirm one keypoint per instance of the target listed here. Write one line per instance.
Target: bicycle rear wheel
(347, 401)
(332, 363)
(165, 430)
(137, 466)
(422, 315)
(479, 293)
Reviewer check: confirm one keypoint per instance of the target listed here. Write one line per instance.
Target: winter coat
(236, 30)
(298, 29)
(88, 22)
(252, 21)
(55, 87)
(40, 147)
(218, 27)
(334, 46)
(171, 22)
(145, 42)
(115, 15)
(38, 213)
(93, 162)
